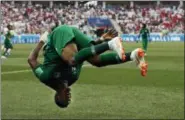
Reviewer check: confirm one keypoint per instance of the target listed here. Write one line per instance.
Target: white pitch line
(20, 71)
(17, 71)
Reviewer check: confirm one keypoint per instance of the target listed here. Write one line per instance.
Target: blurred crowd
(157, 18)
(35, 19)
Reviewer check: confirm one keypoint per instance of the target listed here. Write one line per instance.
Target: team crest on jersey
(57, 74)
(74, 70)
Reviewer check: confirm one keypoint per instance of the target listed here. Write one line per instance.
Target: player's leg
(137, 56)
(145, 44)
(112, 58)
(71, 56)
(109, 58)
(8, 48)
(4, 54)
(9, 51)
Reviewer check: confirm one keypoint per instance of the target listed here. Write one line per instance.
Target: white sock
(110, 46)
(110, 43)
(9, 50)
(4, 49)
(132, 55)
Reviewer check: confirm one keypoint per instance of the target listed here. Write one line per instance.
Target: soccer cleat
(63, 96)
(3, 57)
(138, 57)
(116, 45)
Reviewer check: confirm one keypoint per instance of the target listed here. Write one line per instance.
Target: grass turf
(111, 92)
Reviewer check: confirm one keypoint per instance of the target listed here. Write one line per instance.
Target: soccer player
(66, 50)
(145, 34)
(7, 47)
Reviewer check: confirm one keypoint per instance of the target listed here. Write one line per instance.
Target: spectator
(36, 18)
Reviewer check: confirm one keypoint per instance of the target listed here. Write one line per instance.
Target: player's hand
(109, 35)
(44, 37)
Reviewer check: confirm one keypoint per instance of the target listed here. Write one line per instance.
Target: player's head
(61, 99)
(10, 26)
(144, 25)
(54, 25)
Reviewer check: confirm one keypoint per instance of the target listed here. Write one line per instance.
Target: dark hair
(59, 103)
(144, 25)
(56, 25)
(9, 26)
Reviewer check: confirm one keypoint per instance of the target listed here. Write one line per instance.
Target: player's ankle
(132, 55)
(110, 45)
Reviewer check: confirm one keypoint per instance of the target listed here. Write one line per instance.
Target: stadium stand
(36, 17)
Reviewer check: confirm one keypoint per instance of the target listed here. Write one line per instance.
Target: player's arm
(106, 36)
(32, 59)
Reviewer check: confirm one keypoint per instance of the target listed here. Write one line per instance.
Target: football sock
(145, 44)
(7, 52)
(112, 58)
(85, 53)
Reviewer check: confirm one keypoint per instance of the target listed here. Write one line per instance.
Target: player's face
(59, 100)
(11, 27)
(144, 26)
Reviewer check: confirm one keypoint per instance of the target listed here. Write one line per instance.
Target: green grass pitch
(111, 92)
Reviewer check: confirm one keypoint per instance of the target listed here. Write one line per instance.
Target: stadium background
(112, 92)
(34, 17)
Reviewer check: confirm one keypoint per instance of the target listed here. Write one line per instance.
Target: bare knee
(95, 61)
(68, 53)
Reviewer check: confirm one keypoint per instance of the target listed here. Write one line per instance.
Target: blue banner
(154, 37)
(31, 38)
(24, 38)
(99, 22)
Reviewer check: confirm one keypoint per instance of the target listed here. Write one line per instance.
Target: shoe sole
(141, 62)
(121, 51)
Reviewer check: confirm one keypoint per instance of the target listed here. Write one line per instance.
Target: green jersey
(53, 64)
(144, 32)
(8, 37)
(59, 38)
